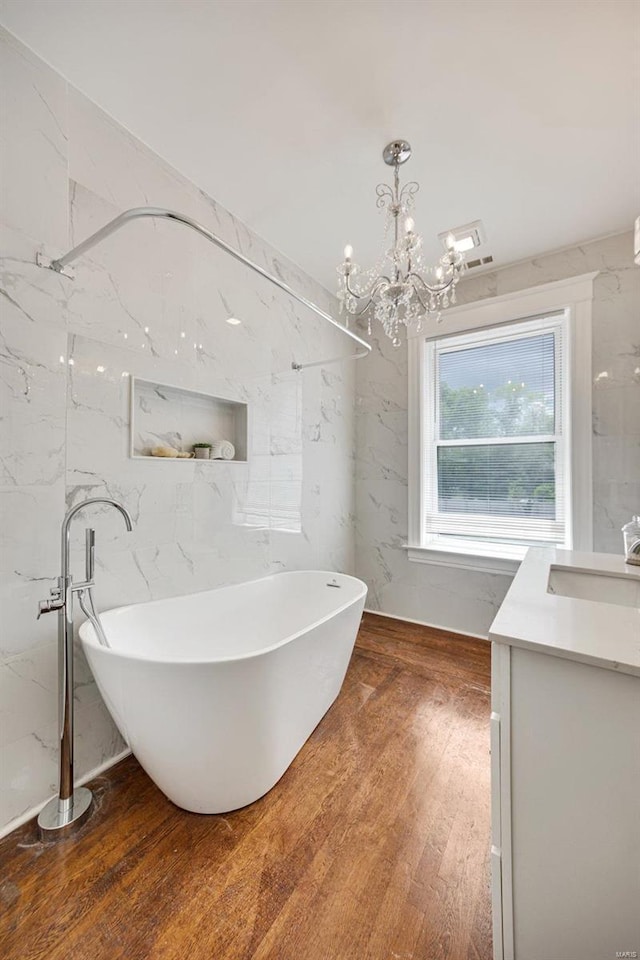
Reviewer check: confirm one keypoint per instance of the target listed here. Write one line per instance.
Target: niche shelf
(162, 414)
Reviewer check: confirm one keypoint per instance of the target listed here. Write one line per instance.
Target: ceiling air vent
(478, 262)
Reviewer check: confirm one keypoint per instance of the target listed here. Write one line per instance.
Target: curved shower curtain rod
(60, 266)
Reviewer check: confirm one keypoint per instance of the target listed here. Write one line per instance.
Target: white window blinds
(495, 452)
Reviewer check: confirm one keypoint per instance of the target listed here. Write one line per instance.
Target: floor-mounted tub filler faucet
(71, 807)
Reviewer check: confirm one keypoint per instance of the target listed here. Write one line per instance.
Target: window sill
(472, 556)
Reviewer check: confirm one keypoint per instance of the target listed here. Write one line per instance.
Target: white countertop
(595, 632)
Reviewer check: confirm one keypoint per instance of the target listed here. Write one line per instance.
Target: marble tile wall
(152, 302)
(466, 600)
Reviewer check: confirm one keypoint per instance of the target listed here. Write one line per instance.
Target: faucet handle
(90, 553)
(48, 606)
(56, 602)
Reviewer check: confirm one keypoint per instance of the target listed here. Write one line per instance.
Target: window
(495, 437)
(499, 429)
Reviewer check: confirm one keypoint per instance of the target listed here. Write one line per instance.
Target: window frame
(571, 297)
(557, 325)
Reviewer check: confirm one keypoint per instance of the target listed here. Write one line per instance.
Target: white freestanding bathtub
(216, 692)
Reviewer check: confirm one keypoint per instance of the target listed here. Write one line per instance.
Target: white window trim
(574, 295)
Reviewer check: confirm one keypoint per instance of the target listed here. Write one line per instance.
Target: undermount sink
(624, 591)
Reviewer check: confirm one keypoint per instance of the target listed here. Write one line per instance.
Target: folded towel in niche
(222, 450)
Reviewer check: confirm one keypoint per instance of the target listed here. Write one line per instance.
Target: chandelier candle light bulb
(395, 291)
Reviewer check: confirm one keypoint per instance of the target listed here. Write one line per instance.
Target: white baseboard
(423, 623)
(34, 811)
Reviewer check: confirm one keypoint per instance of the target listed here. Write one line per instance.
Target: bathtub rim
(88, 636)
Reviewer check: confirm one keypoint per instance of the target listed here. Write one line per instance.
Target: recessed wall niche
(164, 415)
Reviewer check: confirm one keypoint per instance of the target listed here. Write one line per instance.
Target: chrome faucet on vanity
(71, 807)
(631, 539)
(633, 553)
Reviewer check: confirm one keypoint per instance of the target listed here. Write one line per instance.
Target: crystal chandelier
(401, 290)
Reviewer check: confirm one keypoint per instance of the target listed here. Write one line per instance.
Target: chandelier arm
(359, 313)
(427, 286)
(352, 293)
(379, 281)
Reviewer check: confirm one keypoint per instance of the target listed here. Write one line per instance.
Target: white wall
(467, 600)
(67, 169)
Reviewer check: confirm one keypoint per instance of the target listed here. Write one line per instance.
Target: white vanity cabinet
(565, 755)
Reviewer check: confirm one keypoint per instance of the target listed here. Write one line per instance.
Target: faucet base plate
(54, 823)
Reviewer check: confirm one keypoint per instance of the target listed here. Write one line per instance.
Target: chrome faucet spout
(66, 525)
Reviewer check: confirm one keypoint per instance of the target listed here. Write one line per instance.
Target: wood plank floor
(373, 846)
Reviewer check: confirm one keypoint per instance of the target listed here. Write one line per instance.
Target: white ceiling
(522, 113)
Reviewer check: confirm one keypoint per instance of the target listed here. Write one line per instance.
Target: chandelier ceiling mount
(396, 152)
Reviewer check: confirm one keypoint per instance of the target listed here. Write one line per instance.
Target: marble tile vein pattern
(466, 600)
(150, 302)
